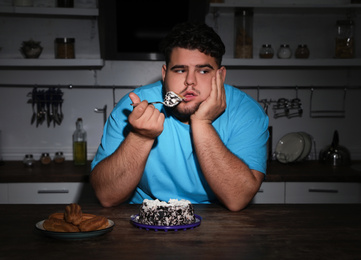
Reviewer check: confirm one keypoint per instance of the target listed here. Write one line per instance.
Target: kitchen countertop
(307, 171)
(258, 232)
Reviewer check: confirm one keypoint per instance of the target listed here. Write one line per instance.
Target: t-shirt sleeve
(249, 135)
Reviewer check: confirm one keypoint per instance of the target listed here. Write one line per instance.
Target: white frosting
(172, 99)
(171, 203)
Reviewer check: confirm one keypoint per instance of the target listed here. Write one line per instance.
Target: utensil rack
(331, 113)
(266, 102)
(320, 113)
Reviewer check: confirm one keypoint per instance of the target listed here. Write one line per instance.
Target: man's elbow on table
(236, 206)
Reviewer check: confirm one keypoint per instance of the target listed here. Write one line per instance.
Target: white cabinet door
(270, 192)
(3, 193)
(321, 192)
(43, 193)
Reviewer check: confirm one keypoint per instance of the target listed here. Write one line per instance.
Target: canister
(284, 52)
(302, 51)
(65, 48)
(243, 34)
(345, 43)
(266, 52)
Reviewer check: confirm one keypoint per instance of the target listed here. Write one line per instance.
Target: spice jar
(284, 52)
(59, 157)
(302, 52)
(65, 48)
(45, 159)
(243, 34)
(28, 160)
(345, 44)
(266, 52)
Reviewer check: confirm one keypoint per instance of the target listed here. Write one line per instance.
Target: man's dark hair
(193, 37)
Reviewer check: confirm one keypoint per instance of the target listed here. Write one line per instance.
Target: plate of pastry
(74, 224)
(74, 235)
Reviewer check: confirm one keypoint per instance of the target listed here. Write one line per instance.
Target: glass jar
(59, 157)
(302, 52)
(345, 43)
(243, 34)
(28, 160)
(266, 52)
(45, 159)
(79, 144)
(284, 52)
(65, 48)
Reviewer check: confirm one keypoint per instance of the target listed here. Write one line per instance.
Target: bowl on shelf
(31, 49)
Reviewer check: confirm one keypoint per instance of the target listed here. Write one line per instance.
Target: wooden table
(258, 232)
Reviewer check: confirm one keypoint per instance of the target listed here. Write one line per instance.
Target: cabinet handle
(323, 190)
(52, 191)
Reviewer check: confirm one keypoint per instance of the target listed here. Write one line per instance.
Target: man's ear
(164, 71)
(224, 72)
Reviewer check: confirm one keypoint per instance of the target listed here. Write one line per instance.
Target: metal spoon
(171, 99)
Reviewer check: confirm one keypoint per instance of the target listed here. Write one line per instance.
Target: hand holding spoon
(171, 99)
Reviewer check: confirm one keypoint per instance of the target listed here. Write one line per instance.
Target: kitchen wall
(20, 137)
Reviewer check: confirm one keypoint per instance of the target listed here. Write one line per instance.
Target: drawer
(44, 193)
(329, 192)
(270, 192)
(3, 193)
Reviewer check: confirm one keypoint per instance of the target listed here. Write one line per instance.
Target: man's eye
(203, 71)
(179, 71)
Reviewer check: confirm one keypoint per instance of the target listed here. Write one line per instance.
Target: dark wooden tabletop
(258, 232)
(307, 171)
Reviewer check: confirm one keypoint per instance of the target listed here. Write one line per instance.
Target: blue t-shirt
(172, 170)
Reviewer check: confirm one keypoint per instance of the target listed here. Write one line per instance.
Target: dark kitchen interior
(89, 54)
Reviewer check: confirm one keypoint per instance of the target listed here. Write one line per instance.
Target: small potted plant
(31, 49)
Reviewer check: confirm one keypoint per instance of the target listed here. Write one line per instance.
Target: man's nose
(190, 79)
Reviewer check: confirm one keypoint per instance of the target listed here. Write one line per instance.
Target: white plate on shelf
(290, 147)
(307, 147)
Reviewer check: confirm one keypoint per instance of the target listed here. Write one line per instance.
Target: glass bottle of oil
(79, 144)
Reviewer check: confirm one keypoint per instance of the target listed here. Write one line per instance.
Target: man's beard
(183, 114)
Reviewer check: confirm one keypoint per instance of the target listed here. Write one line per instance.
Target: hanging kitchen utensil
(46, 106)
(330, 113)
(335, 154)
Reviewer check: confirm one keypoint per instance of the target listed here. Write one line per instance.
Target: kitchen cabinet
(308, 193)
(320, 192)
(3, 193)
(270, 192)
(42, 24)
(46, 193)
(279, 23)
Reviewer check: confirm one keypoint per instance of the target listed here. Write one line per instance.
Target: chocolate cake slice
(160, 213)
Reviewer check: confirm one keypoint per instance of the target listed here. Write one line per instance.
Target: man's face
(189, 73)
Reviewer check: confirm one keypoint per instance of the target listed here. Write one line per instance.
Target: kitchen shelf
(283, 6)
(292, 62)
(45, 24)
(294, 23)
(49, 11)
(51, 62)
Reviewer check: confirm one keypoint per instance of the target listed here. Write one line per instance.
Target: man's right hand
(146, 120)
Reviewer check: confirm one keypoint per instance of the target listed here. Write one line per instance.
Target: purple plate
(166, 228)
